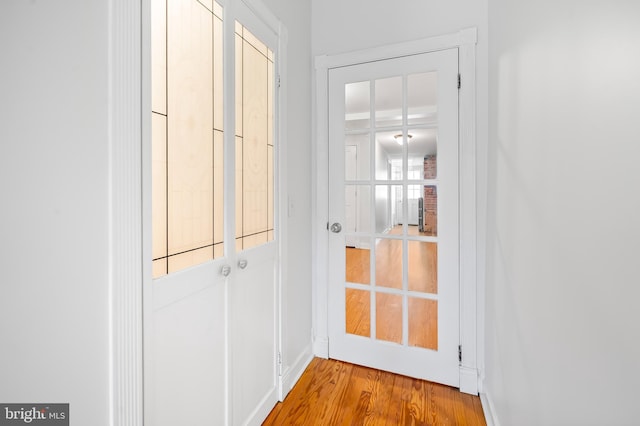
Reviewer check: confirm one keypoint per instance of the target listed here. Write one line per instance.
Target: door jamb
(465, 40)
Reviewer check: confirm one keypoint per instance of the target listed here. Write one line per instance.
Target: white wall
(563, 340)
(343, 26)
(295, 15)
(53, 220)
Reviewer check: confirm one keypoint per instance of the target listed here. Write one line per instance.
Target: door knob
(242, 263)
(225, 270)
(336, 228)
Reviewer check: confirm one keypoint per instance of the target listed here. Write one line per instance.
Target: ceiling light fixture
(399, 139)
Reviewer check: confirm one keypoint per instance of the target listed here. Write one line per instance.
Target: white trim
(468, 214)
(463, 37)
(489, 410)
(125, 213)
(320, 214)
(465, 40)
(261, 411)
(147, 287)
(321, 347)
(283, 188)
(261, 11)
(229, 155)
(293, 373)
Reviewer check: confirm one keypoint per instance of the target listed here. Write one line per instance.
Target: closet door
(188, 327)
(253, 293)
(214, 326)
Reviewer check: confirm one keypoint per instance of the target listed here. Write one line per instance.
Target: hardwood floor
(338, 393)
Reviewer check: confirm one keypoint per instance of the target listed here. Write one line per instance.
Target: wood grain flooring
(338, 393)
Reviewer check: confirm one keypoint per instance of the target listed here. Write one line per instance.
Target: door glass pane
(217, 68)
(388, 102)
(218, 192)
(423, 153)
(388, 263)
(397, 213)
(422, 98)
(186, 134)
(357, 266)
(159, 193)
(254, 141)
(413, 207)
(389, 317)
(159, 56)
(357, 209)
(356, 157)
(430, 214)
(190, 258)
(358, 312)
(383, 208)
(423, 266)
(423, 323)
(357, 107)
(388, 156)
(386, 205)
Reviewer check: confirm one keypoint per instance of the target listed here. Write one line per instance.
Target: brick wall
(430, 196)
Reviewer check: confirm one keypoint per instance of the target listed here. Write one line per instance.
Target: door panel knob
(336, 228)
(242, 263)
(225, 270)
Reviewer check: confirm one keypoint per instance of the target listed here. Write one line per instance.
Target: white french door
(394, 264)
(214, 195)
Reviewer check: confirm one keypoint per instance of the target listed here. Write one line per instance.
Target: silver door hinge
(278, 81)
(459, 353)
(459, 81)
(279, 364)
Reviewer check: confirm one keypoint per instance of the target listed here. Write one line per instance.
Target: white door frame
(465, 40)
(129, 128)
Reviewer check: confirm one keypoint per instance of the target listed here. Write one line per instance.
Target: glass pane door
(394, 259)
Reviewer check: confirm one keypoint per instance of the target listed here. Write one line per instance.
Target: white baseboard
(321, 347)
(489, 411)
(292, 374)
(262, 410)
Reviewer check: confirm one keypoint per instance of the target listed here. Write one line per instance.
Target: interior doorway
(329, 221)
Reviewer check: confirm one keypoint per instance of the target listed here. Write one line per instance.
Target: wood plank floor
(338, 393)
